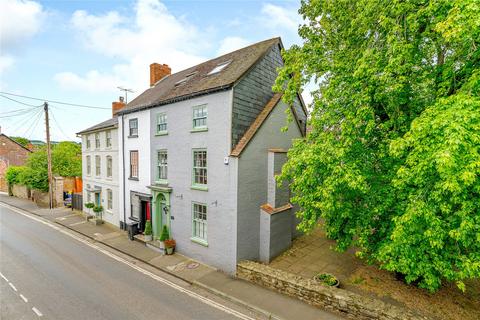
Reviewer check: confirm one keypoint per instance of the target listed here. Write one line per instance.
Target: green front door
(161, 210)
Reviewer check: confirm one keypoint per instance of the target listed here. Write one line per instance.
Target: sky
(79, 52)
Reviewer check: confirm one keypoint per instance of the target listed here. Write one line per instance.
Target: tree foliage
(392, 161)
(66, 162)
(22, 141)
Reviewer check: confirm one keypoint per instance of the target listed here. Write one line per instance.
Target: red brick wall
(11, 154)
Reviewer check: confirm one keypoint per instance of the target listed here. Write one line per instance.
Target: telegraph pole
(49, 156)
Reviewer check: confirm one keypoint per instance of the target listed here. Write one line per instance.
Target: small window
(89, 166)
(108, 138)
(162, 165)
(199, 221)
(97, 140)
(133, 164)
(219, 67)
(88, 142)
(200, 167)
(109, 199)
(97, 166)
(109, 166)
(133, 125)
(161, 123)
(200, 117)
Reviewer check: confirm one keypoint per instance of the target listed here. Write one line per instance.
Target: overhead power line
(25, 104)
(54, 101)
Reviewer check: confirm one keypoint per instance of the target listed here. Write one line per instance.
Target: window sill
(201, 188)
(109, 178)
(161, 133)
(133, 178)
(134, 136)
(199, 241)
(199, 130)
(161, 182)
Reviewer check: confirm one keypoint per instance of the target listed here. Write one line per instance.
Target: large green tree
(66, 162)
(392, 161)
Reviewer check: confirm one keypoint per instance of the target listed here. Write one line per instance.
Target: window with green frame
(200, 117)
(200, 167)
(199, 221)
(162, 122)
(162, 165)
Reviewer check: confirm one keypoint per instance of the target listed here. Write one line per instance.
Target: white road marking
(13, 287)
(23, 298)
(37, 311)
(192, 294)
(4, 278)
(77, 223)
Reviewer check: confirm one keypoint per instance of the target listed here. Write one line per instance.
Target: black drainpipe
(123, 170)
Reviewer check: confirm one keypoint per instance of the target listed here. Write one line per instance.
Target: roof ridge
(218, 57)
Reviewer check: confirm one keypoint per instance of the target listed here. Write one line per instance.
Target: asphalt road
(47, 274)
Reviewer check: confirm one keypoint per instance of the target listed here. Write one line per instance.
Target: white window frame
(199, 115)
(109, 199)
(162, 180)
(97, 140)
(108, 139)
(133, 131)
(195, 167)
(109, 167)
(88, 160)
(162, 122)
(98, 166)
(199, 223)
(131, 165)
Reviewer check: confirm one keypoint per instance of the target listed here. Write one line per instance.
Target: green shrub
(165, 234)
(148, 228)
(89, 205)
(14, 175)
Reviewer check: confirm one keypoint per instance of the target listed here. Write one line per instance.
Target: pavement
(257, 299)
(312, 253)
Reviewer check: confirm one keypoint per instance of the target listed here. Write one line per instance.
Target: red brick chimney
(158, 72)
(117, 106)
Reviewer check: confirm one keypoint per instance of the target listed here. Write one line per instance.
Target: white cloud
(19, 21)
(230, 44)
(277, 17)
(6, 61)
(153, 34)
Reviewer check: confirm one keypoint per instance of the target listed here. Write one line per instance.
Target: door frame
(159, 218)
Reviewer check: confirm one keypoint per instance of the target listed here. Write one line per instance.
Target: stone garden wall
(20, 191)
(341, 301)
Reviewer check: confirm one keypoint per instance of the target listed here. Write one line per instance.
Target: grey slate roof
(166, 90)
(113, 122)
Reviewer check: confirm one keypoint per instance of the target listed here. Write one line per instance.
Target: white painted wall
(102, 181)
(140, 143)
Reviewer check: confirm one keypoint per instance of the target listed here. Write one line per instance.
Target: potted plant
(327, 279)
(170, 246)
(148, 231)
(98, 214)
(89, 206)
(164, 236)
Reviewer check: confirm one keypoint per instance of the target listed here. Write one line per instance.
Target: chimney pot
(158, 72)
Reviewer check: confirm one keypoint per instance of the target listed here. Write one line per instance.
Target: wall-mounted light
(215, 203)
